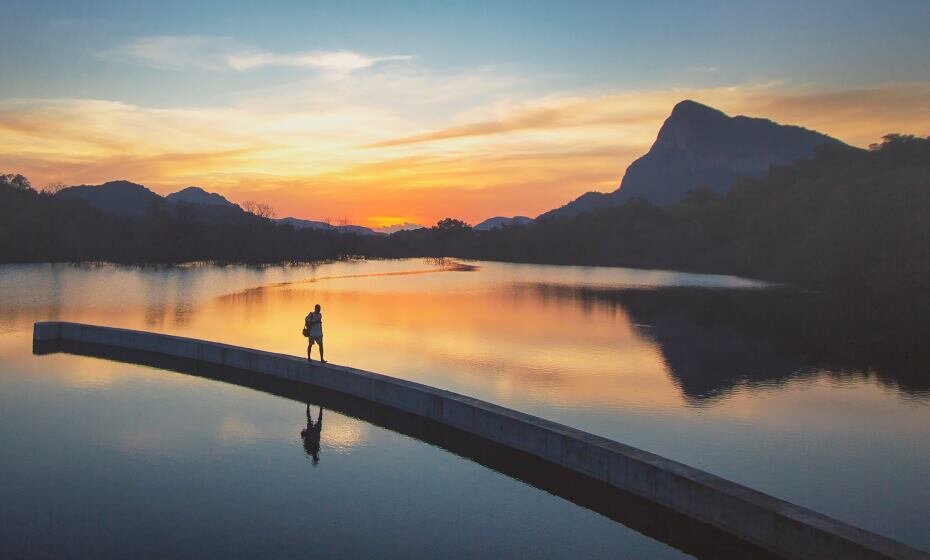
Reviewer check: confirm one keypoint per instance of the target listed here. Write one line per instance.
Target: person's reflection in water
(311, 435)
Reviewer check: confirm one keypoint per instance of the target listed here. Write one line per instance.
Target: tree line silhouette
(847, 219)
(41, 227)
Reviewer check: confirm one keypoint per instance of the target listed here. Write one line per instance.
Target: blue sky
(389, 69)
(51, 45)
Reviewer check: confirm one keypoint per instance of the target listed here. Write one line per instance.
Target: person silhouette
(314, 325)
(311, 436)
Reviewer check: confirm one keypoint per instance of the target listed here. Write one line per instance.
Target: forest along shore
(847, 222)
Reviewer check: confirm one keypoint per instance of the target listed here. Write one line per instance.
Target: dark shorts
(317, 339)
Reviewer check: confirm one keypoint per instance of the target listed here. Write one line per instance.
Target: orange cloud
(603, 111)
(335, 155)
(129, 166)
(857, 116)
(424, 189)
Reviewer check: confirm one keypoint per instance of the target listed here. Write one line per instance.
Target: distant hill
(699, 146)
(132, 200)
(207, 206)
(196, 195)
(298, 223)
(360, 230)
(502, 221)
(850, 223)
(121, 198)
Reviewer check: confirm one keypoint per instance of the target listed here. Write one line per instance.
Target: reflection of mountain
(706, 342)
(714, 340)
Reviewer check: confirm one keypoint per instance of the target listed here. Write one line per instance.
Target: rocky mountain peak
(700, 146)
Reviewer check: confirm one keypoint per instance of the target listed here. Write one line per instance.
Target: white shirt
(315, 321)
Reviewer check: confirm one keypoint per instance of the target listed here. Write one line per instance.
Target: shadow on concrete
(657, 522)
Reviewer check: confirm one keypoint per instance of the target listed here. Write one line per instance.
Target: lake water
(771, 389)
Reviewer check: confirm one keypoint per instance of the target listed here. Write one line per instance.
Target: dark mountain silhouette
(846, 221)
(196, 203)
(131, 200)
(299, 224)
(699, 146)
(196, 195)
(589, 201)
(503, 221)
(42, 227)
(126, 199)
(358, 230)
(120, 198)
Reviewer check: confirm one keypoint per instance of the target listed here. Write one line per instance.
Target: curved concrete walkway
(776, 526)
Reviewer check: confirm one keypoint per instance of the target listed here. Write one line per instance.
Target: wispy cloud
(335, 61)
(858, 116)
(179, 52)
(175, 52)
(543, 115)
(704, 69)
(361, 147)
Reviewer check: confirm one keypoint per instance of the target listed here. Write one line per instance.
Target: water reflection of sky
(109, 460)
(731, 386)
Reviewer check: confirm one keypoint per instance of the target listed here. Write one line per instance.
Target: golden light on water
(446, 328)
(490, 333)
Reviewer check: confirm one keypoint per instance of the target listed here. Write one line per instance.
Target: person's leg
(320, 342)
(309, 347)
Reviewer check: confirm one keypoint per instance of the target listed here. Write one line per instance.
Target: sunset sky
(383, 113)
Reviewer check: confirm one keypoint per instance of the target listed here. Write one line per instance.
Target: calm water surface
(724, 374)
